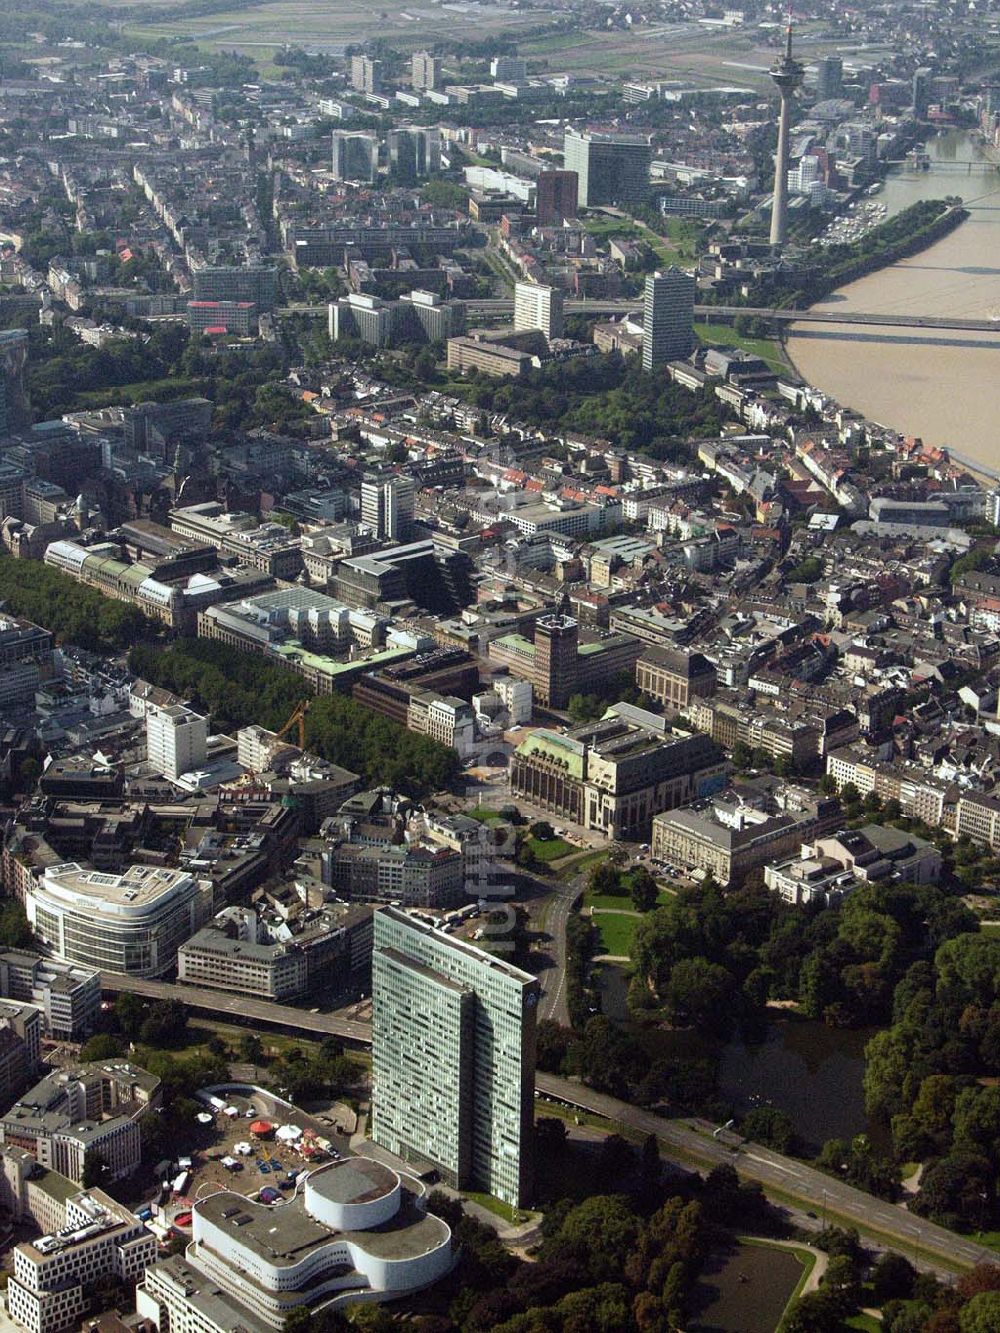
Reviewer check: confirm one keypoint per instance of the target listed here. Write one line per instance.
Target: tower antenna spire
(787, 74)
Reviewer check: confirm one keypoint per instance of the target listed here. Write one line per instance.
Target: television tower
(787, 73)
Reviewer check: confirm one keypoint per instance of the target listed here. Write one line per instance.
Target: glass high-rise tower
(453, 1057)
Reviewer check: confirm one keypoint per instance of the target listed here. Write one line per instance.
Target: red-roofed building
(237, 317)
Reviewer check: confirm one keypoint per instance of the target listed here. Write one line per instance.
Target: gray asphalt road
(242, 1009)
(553, 976)
(913, 1236)
(801, 1185)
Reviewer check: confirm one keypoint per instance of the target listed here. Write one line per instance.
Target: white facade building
(516, 698)
(538, 307)
(356, 1230)
(50, 1286)
(176, 740)
(130, 923)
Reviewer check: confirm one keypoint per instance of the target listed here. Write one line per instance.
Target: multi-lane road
(696, 1142)
(552, 974)
(807, 1188)
(243, 1009)
(616, 306)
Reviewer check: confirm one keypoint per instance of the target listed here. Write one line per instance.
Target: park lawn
(611, 902)
(498, 1208)
(605, 228)
(866, 1322)
(548, 849)
(724, 335)
(616, 933)
(171, 388)
(200, 1031)
(485, 815)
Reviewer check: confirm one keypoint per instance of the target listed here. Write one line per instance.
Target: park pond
(801, 1066)
(745, 1290)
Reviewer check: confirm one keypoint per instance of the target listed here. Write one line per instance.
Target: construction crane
(297, 719)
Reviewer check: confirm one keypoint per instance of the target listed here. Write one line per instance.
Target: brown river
(941, 385)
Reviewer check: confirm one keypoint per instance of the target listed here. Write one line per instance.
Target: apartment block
(538, 307)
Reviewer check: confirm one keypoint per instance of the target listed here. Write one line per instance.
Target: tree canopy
(240, 688)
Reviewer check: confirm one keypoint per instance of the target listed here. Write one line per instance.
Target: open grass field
(259, 29)
(610, 902)
(724, 335)
(615, 933)
(687, 51)
(549, 849)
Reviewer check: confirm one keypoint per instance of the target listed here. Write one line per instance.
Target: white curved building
(356, 1230)
(132, 923)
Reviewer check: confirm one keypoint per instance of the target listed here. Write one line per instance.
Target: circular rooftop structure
(352, 1195)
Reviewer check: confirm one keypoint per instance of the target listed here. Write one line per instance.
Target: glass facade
(453, 1057)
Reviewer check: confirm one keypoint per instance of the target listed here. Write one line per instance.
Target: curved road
(553, 975)
(808, 1187)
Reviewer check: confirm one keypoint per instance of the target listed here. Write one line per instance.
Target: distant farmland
(687, 52)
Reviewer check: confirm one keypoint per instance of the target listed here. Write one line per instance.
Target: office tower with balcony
(425, 71)
(366, 74)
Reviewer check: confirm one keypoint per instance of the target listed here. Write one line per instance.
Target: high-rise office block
(453, 1057)
(413, 153)
(366, 74)
(387, 505)
(13, 403)
(554, 671)
(417, 316)
(829, 78)
(236, 282)
(610, 168)
(922, 79)
(508, 69)
(359, 315)
(176, 740)
(556, 196)
(538, 307)
(668, 317)
(425, 71)
(355, 156)
(788, 75)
